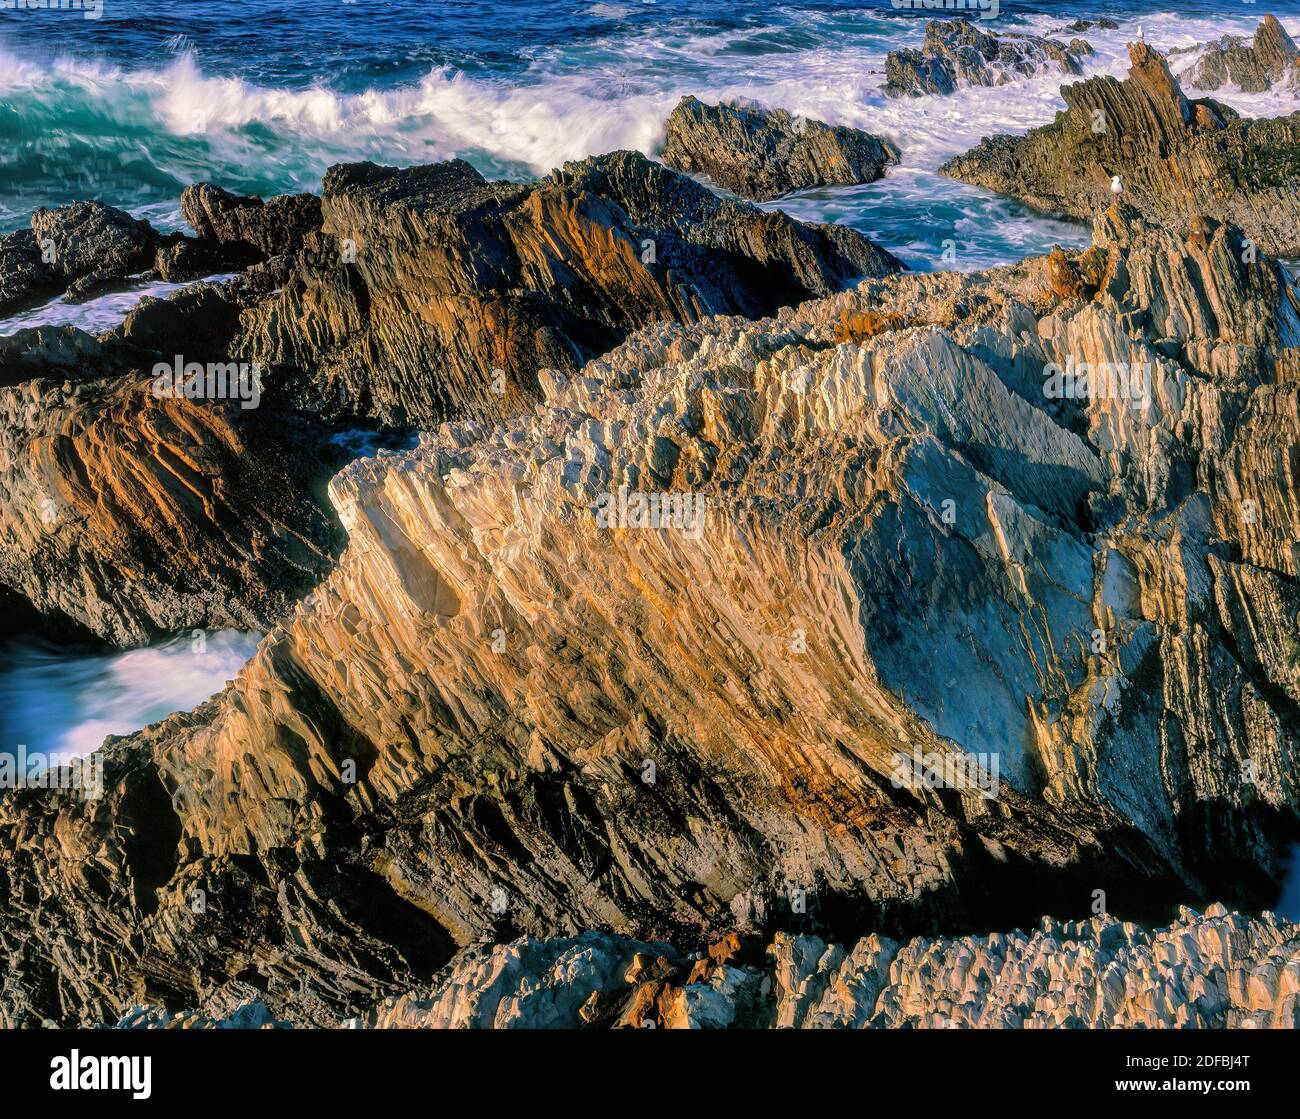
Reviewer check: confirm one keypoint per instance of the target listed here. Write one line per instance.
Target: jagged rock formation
(1253, 66)
(130, 516)
(956, 52)
(271, 228)
(1219, 971)
(513, 707)
(425, 282)
(1102, 24)
(1211, 972)
(1176, 158)
(86, 248)
(182, 514)
(765, 153)
(78, 249)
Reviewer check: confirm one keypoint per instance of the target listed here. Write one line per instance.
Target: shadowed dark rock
(85, 248)
(24, 277)
(89, 238)
(275, 226)
(765, 153)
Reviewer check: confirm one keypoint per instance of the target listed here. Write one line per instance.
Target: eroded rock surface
(1213, 972)
(503, 715)
(427, 281)
(765, 153)
(77, 249)
(270, 228)
(428, 293)
(956, 52)
(1217, 971)
(131, 517)
(1176, 159)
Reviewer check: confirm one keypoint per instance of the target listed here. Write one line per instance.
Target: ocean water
(262, 97)
(61, 702)
(94, 315)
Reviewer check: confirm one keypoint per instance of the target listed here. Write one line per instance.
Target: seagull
(1116, 187)
(1141, 37)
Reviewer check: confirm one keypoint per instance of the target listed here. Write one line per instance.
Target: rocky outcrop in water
(432, 293)
(78, 249)
(862, 616)
(956, 52)
(87, 248)
(1176, 159)
(1252, 65)
(1217, 971)
(765, 153)
(131, 518)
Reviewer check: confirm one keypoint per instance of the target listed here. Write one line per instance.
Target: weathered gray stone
(765, 153)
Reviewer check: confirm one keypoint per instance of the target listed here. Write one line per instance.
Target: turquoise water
(263, 97)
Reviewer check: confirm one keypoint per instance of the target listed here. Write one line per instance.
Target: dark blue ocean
(261, 97)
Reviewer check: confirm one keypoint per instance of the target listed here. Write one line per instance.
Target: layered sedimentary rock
(1217, 971)
(432, 293)
(455, 290)
(1176, 159)
(956, 52)
(861, 616)
(1252, 65)
(765, 153)
(271, 228)
(131, 516)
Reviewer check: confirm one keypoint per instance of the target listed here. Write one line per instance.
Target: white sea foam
(590, 97)
(64, 705)
(94, 315)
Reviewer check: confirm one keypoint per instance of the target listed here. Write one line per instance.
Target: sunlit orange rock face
(399, 296)
(129, 515)
(537, 696)
(424, 282)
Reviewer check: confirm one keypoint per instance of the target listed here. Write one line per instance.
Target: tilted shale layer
(1212, 972)
(503, 714)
